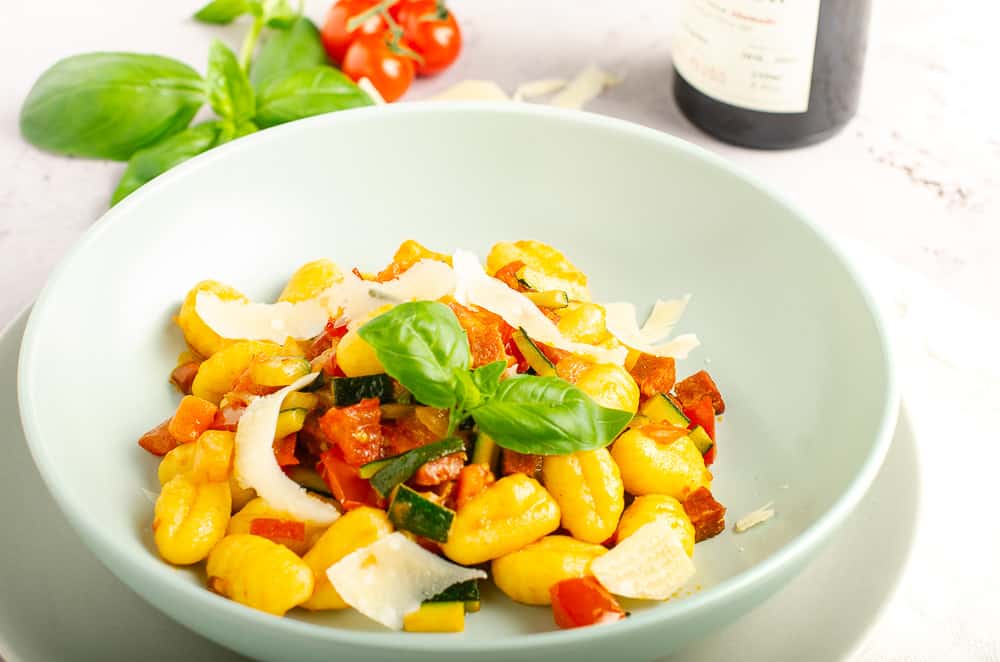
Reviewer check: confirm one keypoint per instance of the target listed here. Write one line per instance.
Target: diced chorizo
(654, 374)
(524, 463)
(691, 389)
(707, 515)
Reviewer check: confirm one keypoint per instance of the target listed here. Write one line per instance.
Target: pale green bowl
(793, 340)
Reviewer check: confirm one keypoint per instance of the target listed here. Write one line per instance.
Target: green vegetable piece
(287, 51)
(467, 591)
(532, 354)
(222, 12)
(352, 390)
(701, 440)
(229, 91)
(309, 479)
(422, 345)
(150, 162)
(110, 105)
(395, 470)
(486, 452)
(547, 416)
(278, 13)
(308, 92)
(409, 511)
(487, 377)
(660, 408)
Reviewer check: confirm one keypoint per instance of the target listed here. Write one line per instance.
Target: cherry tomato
(431, 30)
(336, 39)
(375, 58)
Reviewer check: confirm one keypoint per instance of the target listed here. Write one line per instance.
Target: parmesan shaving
(650, 564)
(472, 90)
(255, 466)
(755, 517)
(620, 319)
(372, 91)
(352, 299)
(474, 286)
(392, 576)
(584, 88)
(261, 321)
(539, 88)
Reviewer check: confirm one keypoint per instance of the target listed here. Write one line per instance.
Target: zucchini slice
(289, 421)
(701, 439)
(309, 479)
(467, 591)
(436, 617)
(394, 410)
(349, 391)
(486, 452)
(661, 409)
(411, 511)
(300, 400)
(553, 299)
(387, 474)
(534, 356)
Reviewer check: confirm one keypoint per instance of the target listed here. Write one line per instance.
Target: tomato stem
(396, 45)
(358, 20)
(250, 43)
(440, 12)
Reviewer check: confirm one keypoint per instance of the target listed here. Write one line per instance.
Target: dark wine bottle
(770, 74)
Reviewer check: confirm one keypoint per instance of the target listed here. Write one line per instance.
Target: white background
(915, 179)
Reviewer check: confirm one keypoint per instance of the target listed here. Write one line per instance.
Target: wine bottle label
(755, 54)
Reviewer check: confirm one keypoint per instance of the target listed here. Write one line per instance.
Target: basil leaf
(222, 12)
(152, 161)
(306, 93)
(229, 91)
(279, 14)
(288, 51)
(422, 346)
(109, 105)
(547, 416)
(487, 377)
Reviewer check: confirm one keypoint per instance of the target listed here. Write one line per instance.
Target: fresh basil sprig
(286, 51)
(109, 105)
(229, 91)
(422, 345)
(306, 93)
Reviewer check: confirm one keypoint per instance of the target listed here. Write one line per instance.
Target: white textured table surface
(915, 178)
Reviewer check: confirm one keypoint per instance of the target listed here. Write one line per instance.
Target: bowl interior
(785, 329)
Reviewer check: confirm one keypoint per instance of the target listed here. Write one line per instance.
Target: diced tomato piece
(507, 275)
(691, 389)
(582, 601)
(707, 515)
(473, 479)
(193, 416)
(554, 355)
(356, 430)
(159, 441)
(709, 457)
(183, 376)
(350, 489)
(404, 435)
(523, 463)
(487, 333)
(278, 529)
(312, 438)
(284, 450)
(702, 413)
(654, 374)
(440, 470)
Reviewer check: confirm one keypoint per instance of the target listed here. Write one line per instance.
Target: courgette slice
(289, 421)
(309, 479)
(534, 356)
(486, 452)
(436, 617)
(300, 400)
(387, 474)
(701, 439)
(467, 591)
(411, 511)
(661, 409)
(278, 370)
(349, 391)
(395, 410)
(553, 299)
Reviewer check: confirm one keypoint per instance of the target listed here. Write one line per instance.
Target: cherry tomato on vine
(382, 61)
(431, 30)
(336, 39)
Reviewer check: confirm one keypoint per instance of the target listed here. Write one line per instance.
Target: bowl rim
(163, 577)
